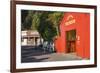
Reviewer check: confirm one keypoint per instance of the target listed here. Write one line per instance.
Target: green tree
(24, 14)
(46, 28)
(27, 22)
(55, 18)
(45, 22)
(36, 20)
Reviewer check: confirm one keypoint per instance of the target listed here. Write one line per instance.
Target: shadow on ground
(37, 54)
(28, 54)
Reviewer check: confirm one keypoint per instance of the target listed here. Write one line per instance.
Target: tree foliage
(27, 22)
(45, 22)
(55, 18)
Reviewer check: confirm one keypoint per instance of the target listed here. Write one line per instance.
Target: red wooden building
(74, 34)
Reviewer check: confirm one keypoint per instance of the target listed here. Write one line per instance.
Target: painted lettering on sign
(70, 20)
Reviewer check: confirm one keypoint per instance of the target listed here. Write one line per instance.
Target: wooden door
(71, 41)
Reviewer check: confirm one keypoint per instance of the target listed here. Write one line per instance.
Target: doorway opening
(71, 41)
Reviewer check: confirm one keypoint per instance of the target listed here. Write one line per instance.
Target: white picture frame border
(20, 65)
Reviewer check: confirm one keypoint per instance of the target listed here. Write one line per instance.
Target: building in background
(30, 38)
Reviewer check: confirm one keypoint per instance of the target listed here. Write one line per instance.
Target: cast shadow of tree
(28, 54)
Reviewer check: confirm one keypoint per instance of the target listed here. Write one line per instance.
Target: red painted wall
(82, 25)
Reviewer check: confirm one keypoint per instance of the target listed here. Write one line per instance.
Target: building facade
(30, 38)
(74, 34)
